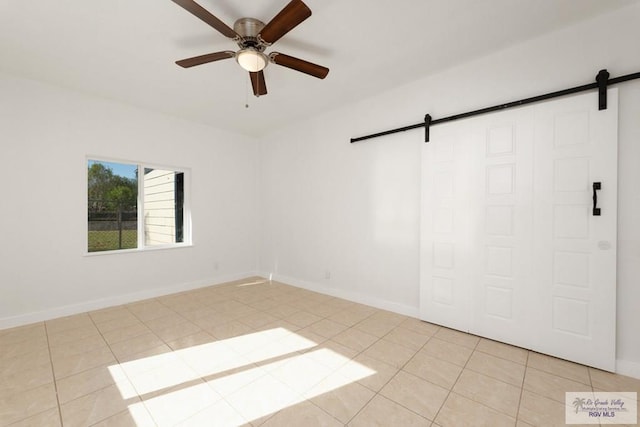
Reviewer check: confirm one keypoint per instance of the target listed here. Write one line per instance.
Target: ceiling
(125, 50)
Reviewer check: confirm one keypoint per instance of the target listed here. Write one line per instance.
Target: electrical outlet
(327, 274)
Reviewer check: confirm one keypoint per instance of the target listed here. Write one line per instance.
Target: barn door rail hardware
(601, 83)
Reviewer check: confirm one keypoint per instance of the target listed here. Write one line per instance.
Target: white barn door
(510, 248)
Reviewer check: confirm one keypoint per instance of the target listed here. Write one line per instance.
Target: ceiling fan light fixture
(252, 60)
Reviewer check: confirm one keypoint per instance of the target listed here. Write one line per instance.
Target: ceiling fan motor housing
(248, 29)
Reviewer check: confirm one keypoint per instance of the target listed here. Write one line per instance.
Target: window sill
(138, 250)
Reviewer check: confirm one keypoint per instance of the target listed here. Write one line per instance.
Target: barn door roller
(602, 79)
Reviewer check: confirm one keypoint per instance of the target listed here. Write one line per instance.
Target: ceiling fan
(253, 38)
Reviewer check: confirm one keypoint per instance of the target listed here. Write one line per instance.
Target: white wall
(45, 135)
(352, 210)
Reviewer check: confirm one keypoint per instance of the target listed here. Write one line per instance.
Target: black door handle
(596, 209)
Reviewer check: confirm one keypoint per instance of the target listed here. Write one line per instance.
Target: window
(134, 206)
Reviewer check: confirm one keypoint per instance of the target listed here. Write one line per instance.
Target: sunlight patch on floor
(250, 374)
(256, 282)
(166, 370)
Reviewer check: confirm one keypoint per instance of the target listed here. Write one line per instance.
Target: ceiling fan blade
(258, 83)
(203, 59)
(206, 16)
(288, 18)
(299, 65)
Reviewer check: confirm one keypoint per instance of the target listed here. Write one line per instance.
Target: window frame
(141, 246)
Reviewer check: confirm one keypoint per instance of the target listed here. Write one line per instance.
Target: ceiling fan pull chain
(246, 93)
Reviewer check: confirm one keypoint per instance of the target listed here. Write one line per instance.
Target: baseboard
(347, 295)
(69, 310)
(628, 368)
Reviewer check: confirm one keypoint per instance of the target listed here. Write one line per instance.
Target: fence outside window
(112, 226)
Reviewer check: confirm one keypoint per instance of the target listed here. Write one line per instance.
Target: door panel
(504, 230)
(575, 256)
(445, 248)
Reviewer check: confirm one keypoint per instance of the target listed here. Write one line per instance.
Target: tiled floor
(259, 353)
